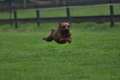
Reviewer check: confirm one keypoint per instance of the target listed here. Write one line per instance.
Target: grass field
(82, 11)
(94, 53)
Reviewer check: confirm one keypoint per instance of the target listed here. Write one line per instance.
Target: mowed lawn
(94, 53)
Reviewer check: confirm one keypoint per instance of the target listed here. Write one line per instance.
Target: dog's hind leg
(49, 38)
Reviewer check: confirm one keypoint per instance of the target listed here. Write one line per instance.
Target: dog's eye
(68, 26)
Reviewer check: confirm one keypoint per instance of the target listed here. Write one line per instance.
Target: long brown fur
(61, 35)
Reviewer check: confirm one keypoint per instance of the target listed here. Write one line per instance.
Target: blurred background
(20, 4)
(42, 11)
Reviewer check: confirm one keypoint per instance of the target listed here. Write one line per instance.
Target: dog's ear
(59, 24)
(69, 22)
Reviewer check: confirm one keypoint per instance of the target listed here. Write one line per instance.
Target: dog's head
(64, 27)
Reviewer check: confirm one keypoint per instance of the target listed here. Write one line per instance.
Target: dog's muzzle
(66, 30)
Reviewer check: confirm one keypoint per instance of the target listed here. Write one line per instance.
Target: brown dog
(61, 35)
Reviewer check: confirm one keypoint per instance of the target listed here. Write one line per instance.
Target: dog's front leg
(69, 39)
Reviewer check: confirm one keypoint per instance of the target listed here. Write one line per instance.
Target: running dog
(61, 35)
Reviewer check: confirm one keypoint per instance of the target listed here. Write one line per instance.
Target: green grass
(82, 11)
(94, 53)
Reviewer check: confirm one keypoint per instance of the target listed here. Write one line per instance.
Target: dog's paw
(68, 41)
(44, 38)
